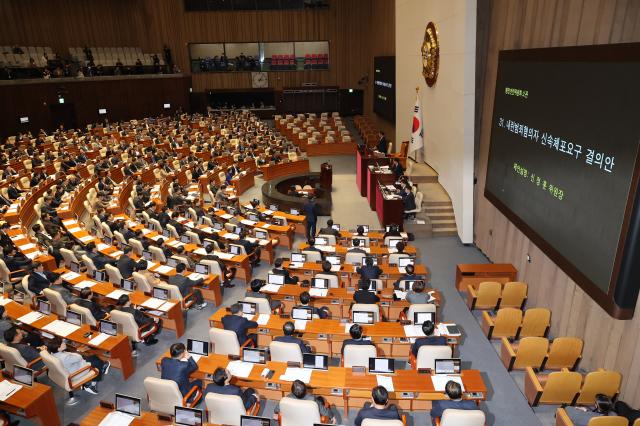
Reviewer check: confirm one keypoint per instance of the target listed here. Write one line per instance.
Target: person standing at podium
(382, 142)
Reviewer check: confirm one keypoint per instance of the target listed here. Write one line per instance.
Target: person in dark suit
(409, 275)
(99, 259)
(13, 191)
(187, 285)
(328, 230)
(222, 385)
(288, 329)
(454, 392)
(85, 301)
(356, 338)
(382, 142)
(377, 408)
(299, 391)
(396, 168)
(164, 218)
(126, 265)
(369, 270)
(394, 231)
(124, 304)
(254, 291)
(14, 337)
(280, 270)
(363, 295)
(356, 247)
(430, 340)
(179, 367)
(39, 279)
(180, 228)
(252, 249)
(310, 210)
(305, 299)
(16, 261)
(408, 200)
(239, 324)
(229, 273)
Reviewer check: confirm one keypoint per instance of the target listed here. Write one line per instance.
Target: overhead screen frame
(388, 114)
(620, 299)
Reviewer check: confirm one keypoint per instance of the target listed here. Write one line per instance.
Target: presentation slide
(384, 87)
(564, 143)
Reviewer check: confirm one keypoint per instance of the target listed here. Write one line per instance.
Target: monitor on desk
(166, 233)
(198, 347)
(248, 308)
(188, 416)
(146, 255)
(374, 260)
(185, 239)
(128, 404)
(44, 307)
(234, 249)
(74, 267)
(161, 293)
(335, 227)
(23, 375)
(322, 283)
(151, 226)
(128, 285)
(202, 269)
(262, 234)
(403, 262)
(217, 226)
(362, 241)
(333, 260)
(273, 207)
(315, 362)
(295, 212)
(237, 230)
(73, 318)
(381, 366)
(254, 355)
(365, 227)
(406, 285)
(420, 317)
(276, 279)
(18, 297)
(107, 240)
(254, 421)
(172, 262)
(362, 317)
(298, 257)
(393, 242)
(253, 217)
(108, 327)
(302, 313)
(321, 241)
(448, 366)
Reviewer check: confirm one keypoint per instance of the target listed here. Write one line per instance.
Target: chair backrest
(285, 352)
(195, 239)
(224, 409)
(141, 282)
(106, 230)
(561, 387)
(368, 307)
(334, 282)
(298, 412)
(11, 357)
(312, 255)
(156, 224)
(68, 256)
(353, 258)
(58, 305)
(536, 321)
(114, 274)
(157, 254)
(241, 248)
(91, 267)
(513, 294)
(331, 239)
(507, 322)
(173, 231)
(358, 355)
(127, 322)
(214, 267)
(488, 295)
(420, 307)
(174, 292)
(263, 304)
(136, 246)
(531, 352)
(163, 395)
(119, 237)
(428, 354)
(224, 342)
(5, 274)
(87, 316)
(610, 421)
(601, 381)
(453, 417)
(56, 371)
(564, 352)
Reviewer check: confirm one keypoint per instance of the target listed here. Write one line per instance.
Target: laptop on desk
(188, 416)
(448, 366)
(381, 366)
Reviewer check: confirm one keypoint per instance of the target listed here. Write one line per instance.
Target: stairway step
(437, 209)
(439, 232)
(424, 179)
(429, 203)
(442, 216)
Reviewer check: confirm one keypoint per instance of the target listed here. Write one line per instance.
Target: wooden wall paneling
(525, 24)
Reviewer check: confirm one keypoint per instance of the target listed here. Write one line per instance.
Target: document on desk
(386, 382)
(86, 238)
(230, 236)
(347, 326)
(201, 251)
(17, 237)
(156, 237)
(268, 212)
(336, 268)
(194, 276)
(33, 254)
(85, 284)
(4, 301)
(74, 230)
(301, 324)
(292, 373)
(226, 216)
(102, 246)
(152, 303)
(69, 222)
(266, 226)
(402, 295)
(70, 276)
(31, 317)
(240, 368)
(263, 319)
(224, 256)
(440, 381)
(7, 389)
(270, 288)
(248, 222)
(117, 418)
(99, 339)
(328, 249)
(318, 292)
(116, 254)
(27, 246)
(413, 331)
(60, 328)
(163, 269)
(115, 294)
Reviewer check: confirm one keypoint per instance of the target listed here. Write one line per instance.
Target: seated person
(126, 264)
(16, 261)
(186, 286)
(239, 324)
(5, 321)
(183, 255)
(86, 302)
(229, 273)
(326, 269)
(39, 279)
(580, 416)
(99, 259)
(141, 268)
(16, 338)
(179, 367)
(305, 299)
(299, 391)
(73, 361)
(408, 276)
(328, 230)
(124, 304)
(363, 295)
(256, 285)
(394, 231)
(311, 247)
(360, 231)
(289, 328)
(428, 328)
(356, 247)
(369, 270)
(280, 270)
(356, 338)
(222, 385)
(417, 294)
(377, 408)
(65, 290)
(455, 401)
(252, 249)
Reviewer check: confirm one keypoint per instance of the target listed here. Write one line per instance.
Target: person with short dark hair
(86, 302)
(428, 329)
(328, 230)
(254, 291)
(252, 249)
(179, 367)
(310, 209)
(186, 285)
(305, 300)
(356, 338)
(355, 248)
(455, 401)
(580, 416)
(299, 391)
(326, 268)
(15, 338)
(378, 408)
(288, 329)
(124, 304)
(369, 271)
(222, 385)
(39, 279)
(281, 270)
(73, 362)
(99, 260)
(126, 265)
(417, 294)
(363, 295)
(382, 143)
(239, 324)
(409, 275)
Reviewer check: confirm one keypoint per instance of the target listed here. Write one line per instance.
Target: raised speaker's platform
(277, 191)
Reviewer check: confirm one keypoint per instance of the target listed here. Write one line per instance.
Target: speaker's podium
(474, 273)
(326, 176)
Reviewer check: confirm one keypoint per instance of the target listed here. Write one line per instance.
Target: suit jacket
(13, 193)
(287, 276)
(365, 296)
(140, 318)
(290, 339)
(96, 310)
(178, 371)
(226, 390)
(409, 201)
(369, 272)
(99, 259)
(428, 341)
(125, 265)
(438, 407)
(329, 231)
(370, 412)
(238, 325)
(310, 211)
(183, 283)
(37, 282)
(382, 145)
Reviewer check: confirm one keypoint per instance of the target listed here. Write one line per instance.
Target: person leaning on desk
(239, 324)
(179, 367)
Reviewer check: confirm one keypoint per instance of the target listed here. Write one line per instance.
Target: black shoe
(151, 341)
(229, 285)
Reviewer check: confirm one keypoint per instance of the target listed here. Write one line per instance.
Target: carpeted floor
(506, 404)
